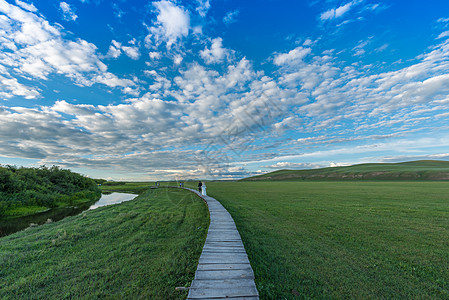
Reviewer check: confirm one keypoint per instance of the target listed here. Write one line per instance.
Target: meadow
(340, 240)
(319, 240)
(420, 170)
(143, 248)
(126, 187)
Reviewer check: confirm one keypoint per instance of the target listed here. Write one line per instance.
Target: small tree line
(43, 186)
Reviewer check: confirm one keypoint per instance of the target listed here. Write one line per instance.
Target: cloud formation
(67, 12)
(10, 87)
(172, 24)
(203, 7)
(335, 13)
(116, 49)
(292, 166)
(26, 6)
(216, 53)
(231, 17)
(191, 107)
(37, 49)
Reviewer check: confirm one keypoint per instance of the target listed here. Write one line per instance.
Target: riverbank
(33, 216)
(126, 187)
(29, 191)
(142, 248)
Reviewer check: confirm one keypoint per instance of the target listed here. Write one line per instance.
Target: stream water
(16, 224)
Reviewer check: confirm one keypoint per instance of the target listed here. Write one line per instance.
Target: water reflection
(113, 198)
(10, 226)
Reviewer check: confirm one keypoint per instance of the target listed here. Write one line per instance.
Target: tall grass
(141, 249)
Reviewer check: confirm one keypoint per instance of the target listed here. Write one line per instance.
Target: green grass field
(127, 187)
(343, 240)
(141, 249)
(412, 170)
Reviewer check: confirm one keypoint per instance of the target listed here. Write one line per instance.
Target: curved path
(223, 271)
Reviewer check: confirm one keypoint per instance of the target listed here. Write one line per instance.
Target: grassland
(413, 170)
(340, 240)
(141, 249)
(126, 187)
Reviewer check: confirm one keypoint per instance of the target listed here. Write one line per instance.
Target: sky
(221, 89)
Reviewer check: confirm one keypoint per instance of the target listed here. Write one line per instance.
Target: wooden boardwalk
(223, 271)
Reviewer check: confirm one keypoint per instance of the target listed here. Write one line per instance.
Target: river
(17, 224)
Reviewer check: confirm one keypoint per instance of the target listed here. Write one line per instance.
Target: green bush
(43, 186)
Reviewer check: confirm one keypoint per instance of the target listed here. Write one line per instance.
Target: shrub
(47, 187)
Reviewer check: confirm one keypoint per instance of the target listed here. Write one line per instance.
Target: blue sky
(221, 89)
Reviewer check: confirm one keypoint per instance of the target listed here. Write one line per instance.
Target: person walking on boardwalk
(200, 184)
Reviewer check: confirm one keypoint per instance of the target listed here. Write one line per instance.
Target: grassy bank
(143, 248)
(126, 187)
(27, 191)
(335, 240)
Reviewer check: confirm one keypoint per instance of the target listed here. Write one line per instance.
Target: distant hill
(413, 170)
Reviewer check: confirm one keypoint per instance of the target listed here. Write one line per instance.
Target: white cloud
(337, 12)
(132, 52)
(443, 34)
(359, 95)
(339, 164)
(373, 6)
(114, 50)
(382, 48)
(112, 80)
(40, 50)
(359, 50)
(68, 12)
(154, 55)
(118, 11)
(292, 166)
(27, 6)
(10, 87)
(216, 53)
(173, 23)
(203, 7)
(307, 42)
(294, 55)
(231, 17)
(177, 59)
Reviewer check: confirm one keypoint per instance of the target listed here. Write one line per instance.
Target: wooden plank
(223, 271)
(223, 255)
(212, 293)
(227, 298)
(226, 244)
(211, 267)
(224, 235)
(224, 274)
(222, 260)
(221, 283)
(221, 250)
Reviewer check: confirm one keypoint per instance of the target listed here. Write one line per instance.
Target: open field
(337, 240)
(413, 170)
(126, 187)
(140, 249)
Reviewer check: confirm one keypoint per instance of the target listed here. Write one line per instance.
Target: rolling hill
(413, 170)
